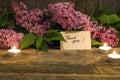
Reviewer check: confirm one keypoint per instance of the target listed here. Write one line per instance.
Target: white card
(76, 40)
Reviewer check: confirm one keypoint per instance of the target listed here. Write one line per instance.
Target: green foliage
(112, 20)
(95, 43)
(41, 42)
(7, 19)
(108, 19)
(106, 11)
(44, 46)
(97, 13)
(53, 35)
(28, 40)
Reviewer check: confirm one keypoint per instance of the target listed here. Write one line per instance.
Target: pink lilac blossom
(110, 36)
(33, 20)
(9, 38)
(105, 35)
(64, 14)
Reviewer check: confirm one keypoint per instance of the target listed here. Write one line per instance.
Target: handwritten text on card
(76, 40)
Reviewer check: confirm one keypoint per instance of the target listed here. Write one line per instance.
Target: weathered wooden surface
(85, 6)
(59, 65)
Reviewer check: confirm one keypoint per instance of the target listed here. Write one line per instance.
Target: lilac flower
(110, 36)
(96, 31)
(9, 38)
(33, 20)
(105, 35)
(64, 14)
(20, 9)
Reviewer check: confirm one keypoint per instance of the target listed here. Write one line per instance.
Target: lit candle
(14, 51)
(114, 55)
(105, 47)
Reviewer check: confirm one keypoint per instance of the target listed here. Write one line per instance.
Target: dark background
(85, 6)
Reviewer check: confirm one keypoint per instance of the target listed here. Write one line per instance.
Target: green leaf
(116, 26)
(107, 10)
(113, 18)
(7, 19)
(44, 46)
(94, 42)
(108, 19)
(53, 35)
(28, 40)
(11, 17)
(103, 19)
(39, 41)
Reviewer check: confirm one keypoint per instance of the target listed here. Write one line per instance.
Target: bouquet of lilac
(64, 14)
(38, 26)
(41, 32)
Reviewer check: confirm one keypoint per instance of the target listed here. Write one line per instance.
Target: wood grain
(85, 6)
(59, 65)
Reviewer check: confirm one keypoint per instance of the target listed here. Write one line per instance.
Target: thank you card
(76, 40)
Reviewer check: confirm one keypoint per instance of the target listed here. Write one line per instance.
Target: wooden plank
(30, 4)
(30, 76)
(81, 5)
(4, 5)
(55, 61)
(112, 4)
(56, 65)
(91, 6)
(85, 6)
(42, 4)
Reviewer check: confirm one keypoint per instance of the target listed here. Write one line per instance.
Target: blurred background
(84, 6)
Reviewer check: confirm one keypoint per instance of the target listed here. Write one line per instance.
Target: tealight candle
(114, 55)
(105, 47)
(14, 51)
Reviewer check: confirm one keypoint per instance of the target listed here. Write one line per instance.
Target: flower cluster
(64, 14)
(110, 36)
(33, 20)
(103, 34)
(9, 38)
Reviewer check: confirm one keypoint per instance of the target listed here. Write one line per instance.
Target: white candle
(114, 55)
(105, 47)
(14, 51)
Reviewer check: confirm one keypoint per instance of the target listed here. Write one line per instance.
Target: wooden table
(59, 65)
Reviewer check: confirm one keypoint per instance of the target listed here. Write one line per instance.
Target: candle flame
(105, 44)
(114, 52)
(13, 47)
